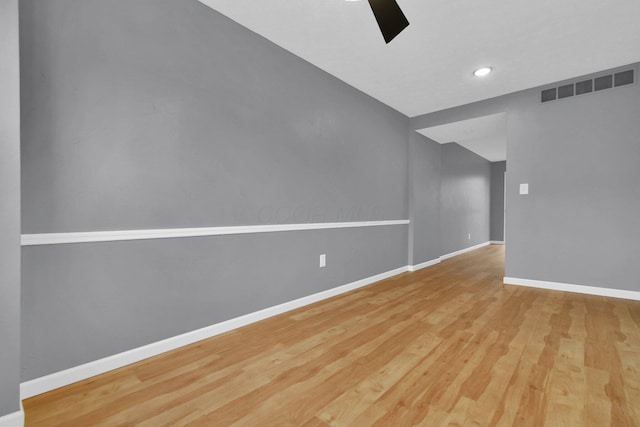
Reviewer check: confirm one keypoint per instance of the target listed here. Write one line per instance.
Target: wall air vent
(549, 94)
(604, 82)
(584, 87)
(623, 78)
(565, 91)
(587, 86)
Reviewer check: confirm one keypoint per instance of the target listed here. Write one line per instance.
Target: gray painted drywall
(580, 157)
(176, 116)
(497, 200)
(464, 198)
(426, 170)
(154, 114)
(87, 301)
(450, 189)
(9, 209)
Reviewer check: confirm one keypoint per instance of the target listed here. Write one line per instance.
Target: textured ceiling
(429, 66)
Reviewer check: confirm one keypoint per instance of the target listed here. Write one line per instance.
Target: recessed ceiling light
(481, 72)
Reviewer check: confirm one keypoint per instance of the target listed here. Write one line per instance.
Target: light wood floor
(447, 345)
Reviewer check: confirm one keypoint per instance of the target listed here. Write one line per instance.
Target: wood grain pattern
(448, 345)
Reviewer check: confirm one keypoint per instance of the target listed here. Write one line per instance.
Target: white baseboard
(417, 267)
(420, 266)
(462, 251)
(15, 419)
(497, 242)
(581, 289)
(87, 370)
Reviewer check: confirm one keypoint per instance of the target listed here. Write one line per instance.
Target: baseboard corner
(465, 250)
(15, 419)
(422, 265)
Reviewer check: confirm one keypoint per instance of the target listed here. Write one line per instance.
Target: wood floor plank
(598, 410)
(352, 403)
(446, 345)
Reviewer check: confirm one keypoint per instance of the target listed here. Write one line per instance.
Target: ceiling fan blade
(390, 18)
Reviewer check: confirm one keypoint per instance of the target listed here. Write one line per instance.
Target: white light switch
(323, 260)
(524, 188)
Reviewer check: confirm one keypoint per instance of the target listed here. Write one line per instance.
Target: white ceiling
(429, 66)
(486, 136)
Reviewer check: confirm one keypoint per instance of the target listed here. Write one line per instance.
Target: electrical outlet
(323, 260)
(469, 236)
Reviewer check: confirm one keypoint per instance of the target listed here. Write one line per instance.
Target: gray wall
(464, 198)
(497, 200)
(175, 116)
(9, 209)
(154, 114)
(580, 156)
(426, 169)
(86, 301)
(450, 198)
